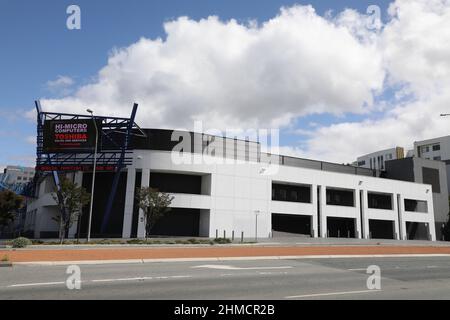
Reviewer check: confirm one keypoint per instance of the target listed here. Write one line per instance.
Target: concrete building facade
(376, 160)
(429, 172)
(435, 149)
(237, 189)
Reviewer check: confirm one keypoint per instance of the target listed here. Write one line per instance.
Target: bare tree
(71, 201)
(154, 204)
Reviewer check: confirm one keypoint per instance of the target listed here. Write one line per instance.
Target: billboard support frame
(116, 157)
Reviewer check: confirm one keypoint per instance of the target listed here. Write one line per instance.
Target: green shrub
(21, 242)
(222, 240)
(135, 241)
(5, 258)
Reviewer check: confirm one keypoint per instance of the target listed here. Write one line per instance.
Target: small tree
(9, 204)
(154, 204)
(71, 200)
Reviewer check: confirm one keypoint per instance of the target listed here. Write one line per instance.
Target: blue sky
(36, 47)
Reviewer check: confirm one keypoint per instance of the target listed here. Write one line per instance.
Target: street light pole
(93, 176)
(256, 225)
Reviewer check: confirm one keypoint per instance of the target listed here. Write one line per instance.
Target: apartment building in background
(376, 160)
(17, 174)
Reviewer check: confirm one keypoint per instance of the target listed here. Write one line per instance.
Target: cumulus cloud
(232, 74)
(415, 45)
(62, 85)
(267, 74)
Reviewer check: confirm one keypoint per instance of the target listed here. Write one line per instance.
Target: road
(342, 278)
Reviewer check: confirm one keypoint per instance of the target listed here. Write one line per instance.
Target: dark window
(437, 147)
(361, 163)
(341, 227)
(431, 176)
(437, 158)
(292, 193)
(416, 206)
(176, 183)
(381, 229)
(340, 197)
(379, 201)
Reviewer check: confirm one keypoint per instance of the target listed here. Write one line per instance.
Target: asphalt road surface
(343, 278)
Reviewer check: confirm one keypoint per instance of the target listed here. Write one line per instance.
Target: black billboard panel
(65, 136)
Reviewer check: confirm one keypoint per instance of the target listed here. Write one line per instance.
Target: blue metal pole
(118, 171)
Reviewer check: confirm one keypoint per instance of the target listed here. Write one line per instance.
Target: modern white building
(376, 160)
(435, 149)
(237, 189)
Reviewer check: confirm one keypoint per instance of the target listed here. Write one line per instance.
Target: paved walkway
(129, 253)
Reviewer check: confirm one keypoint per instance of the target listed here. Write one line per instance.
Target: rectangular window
(176, 183)
(379, 200)
(436, 147)
(340, 197)
(291, 193)
(437, 158)
(412, 205)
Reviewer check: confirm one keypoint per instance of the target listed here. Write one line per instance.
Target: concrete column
(314, 218)
(323, 216)
(401, 217)
(78, 179)
(431, 224)
(129, 203)
(365, 232)
(358, 230)
(396, 221)
(145, 182)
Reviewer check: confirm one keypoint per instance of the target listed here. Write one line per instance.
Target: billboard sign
(66, 136)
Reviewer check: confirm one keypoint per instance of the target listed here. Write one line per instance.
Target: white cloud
(248, 75)
(62, 85)
(415, 45)
(232, 74)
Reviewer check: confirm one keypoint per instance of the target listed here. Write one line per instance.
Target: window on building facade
(436, 147)
(379, 201)
(412, 205)
(340, 197)
(291, 193)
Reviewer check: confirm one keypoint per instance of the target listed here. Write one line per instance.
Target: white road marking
(35, 284)
(432, 267)
(224, 267)
(331, 294)
(357, 269)
(97, 280)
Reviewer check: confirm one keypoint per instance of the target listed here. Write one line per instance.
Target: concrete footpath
(117, 254)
